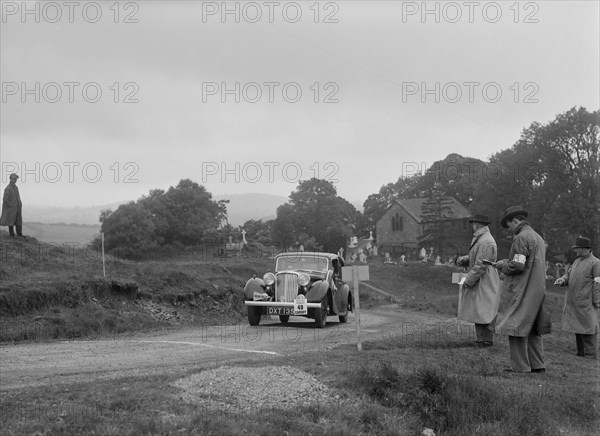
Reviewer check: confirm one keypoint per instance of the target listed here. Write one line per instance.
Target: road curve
(38, 364)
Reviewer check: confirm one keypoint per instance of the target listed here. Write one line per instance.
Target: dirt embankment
(53, 292)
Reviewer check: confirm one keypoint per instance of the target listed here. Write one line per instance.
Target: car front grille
(286, 288)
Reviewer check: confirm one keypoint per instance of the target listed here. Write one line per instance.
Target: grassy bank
(50, 291)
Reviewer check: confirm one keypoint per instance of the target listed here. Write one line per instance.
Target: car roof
(329, 256)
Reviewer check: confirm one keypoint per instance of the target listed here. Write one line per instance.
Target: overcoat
(525, 285)
(478, 301)
(579, 314)
(11, 207)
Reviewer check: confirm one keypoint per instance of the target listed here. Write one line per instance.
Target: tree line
(553, 171)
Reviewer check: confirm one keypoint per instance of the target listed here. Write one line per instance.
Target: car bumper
(279, 304)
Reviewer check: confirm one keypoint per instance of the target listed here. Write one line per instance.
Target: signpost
(355, 274)
(103, 263)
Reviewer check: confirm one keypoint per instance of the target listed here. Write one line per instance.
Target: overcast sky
(363, 68)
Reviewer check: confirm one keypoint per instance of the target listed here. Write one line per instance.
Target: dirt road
(37, 364)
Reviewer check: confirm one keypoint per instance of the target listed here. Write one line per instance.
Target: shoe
(508, 370)
(487, 344)
(540, 370)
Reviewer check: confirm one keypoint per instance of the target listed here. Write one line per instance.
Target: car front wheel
(344, 318)
(284, 319)
(254, 314)
(321, 314)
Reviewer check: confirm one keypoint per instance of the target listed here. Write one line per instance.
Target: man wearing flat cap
(11, 207)
(479, 296)
(582, 299)
(524, 321)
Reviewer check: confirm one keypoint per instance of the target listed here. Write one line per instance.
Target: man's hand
(501, 263)
(463, 261)
(559, 281)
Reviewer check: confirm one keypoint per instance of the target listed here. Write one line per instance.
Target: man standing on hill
(480, 294)
(11, 208)
(582, 300)
(525, 285)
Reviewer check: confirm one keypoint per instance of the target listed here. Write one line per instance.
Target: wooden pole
(103, 263)
(356, 306)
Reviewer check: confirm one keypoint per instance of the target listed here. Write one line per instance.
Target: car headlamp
(269, 279)
(303, 279)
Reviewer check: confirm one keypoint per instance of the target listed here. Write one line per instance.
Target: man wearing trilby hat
(11, 207)
(582, 299)
(525, 286)
(480, 294)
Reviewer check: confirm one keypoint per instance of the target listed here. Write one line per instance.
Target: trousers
(483, 333)
(526, 353)
(19, 230)
(587, 345)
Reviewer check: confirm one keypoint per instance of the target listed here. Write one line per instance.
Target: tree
(552, 171)
(284, 233)
(129, 231)
(180, 216)
(189, 211)
(458, 177)
(568, 150)
(315, 211)
(258, 231)
(434, 210)
(375, 206)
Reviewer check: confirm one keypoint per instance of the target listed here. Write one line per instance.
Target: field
(418, 370)
(75, 234)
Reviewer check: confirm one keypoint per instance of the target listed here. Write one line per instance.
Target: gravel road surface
(38, 364)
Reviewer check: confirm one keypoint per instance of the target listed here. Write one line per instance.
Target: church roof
(414, 207)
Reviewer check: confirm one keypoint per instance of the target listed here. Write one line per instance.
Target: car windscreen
(306, 263)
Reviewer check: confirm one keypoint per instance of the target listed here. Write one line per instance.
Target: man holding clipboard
(479, 294)
(524, 321)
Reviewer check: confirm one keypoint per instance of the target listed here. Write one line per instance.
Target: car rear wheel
(321, 313)
(254, 314)
(284, 319)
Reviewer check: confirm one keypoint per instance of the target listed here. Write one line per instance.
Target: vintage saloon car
(303, 283)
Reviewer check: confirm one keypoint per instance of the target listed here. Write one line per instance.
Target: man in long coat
(11, 208)
(479, 296)
(582, 300)
(525, 285)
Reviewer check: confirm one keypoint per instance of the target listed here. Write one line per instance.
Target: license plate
(280, 310)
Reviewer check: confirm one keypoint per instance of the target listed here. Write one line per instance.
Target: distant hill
(240, 209)
(66, 215)
(58, 234)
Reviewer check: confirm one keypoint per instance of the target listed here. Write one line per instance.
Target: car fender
(317, 291)
(345, 295)
(254, 285)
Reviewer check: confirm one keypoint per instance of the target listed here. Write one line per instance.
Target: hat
(510, 213)
(582, 243)
(13, 176)
(480, 219)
